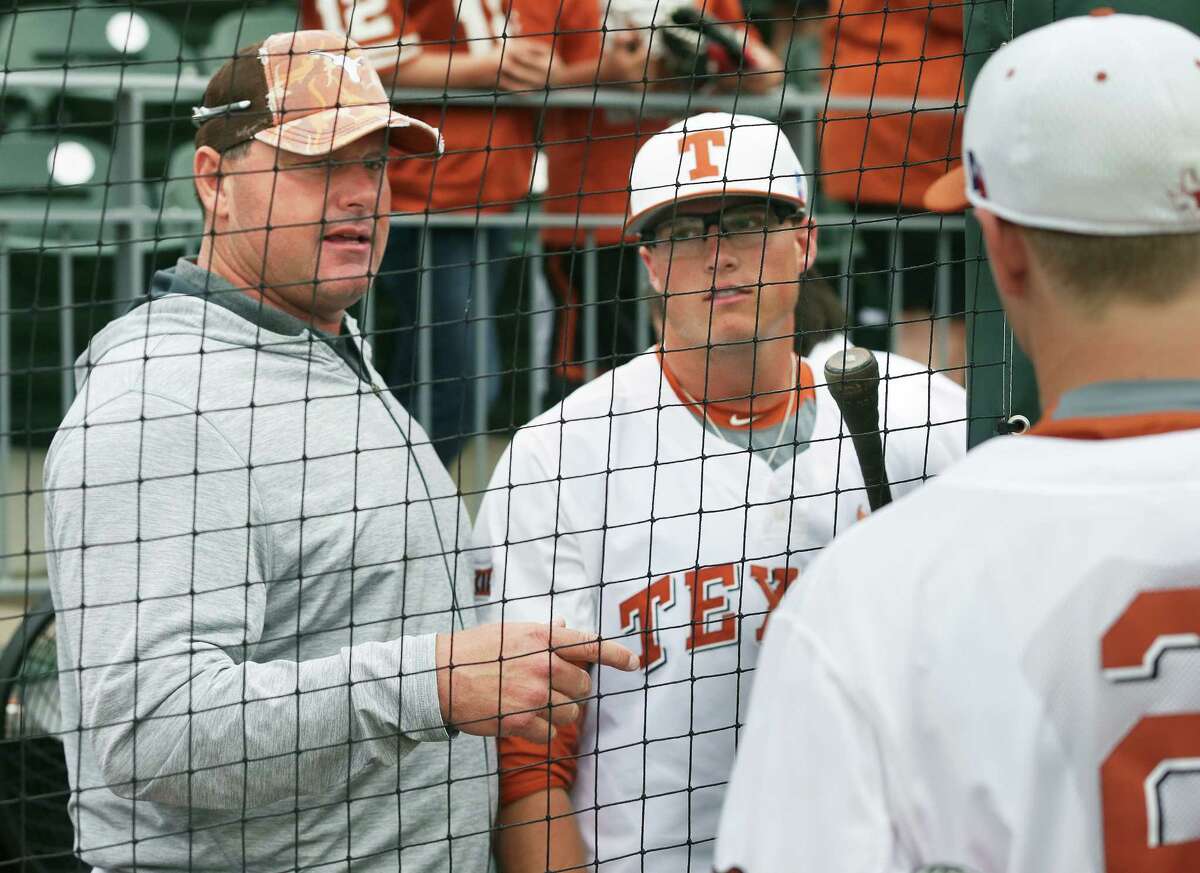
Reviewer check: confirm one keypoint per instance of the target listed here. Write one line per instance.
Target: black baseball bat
(853, 379)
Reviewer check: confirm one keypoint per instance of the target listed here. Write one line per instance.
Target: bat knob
(852, 378)
(851, 364)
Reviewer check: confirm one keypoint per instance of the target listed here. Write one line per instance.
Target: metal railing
(131, 215)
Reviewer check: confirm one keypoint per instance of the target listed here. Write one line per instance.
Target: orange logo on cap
(700, 142)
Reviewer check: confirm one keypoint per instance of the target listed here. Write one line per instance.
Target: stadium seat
(244, 26)
(92, 37)
(89, 39)
(45, 173)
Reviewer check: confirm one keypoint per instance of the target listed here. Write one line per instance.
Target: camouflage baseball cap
(309, 92)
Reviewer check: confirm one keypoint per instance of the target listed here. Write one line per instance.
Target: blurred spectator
(589, 153)
(883, 160)
(506, 45)
(794, 30)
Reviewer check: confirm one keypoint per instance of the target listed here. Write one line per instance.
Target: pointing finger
(584, 647)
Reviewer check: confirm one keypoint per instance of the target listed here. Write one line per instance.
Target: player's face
(732, 280)
(327, 220)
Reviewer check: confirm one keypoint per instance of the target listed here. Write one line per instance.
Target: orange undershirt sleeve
(527, 767)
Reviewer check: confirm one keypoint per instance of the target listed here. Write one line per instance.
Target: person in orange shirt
(589, 153)
(488, 45)
(883, 161)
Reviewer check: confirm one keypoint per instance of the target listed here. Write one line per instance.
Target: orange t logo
(700, 142)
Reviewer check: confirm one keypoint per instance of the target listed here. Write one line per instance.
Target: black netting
(268, 469)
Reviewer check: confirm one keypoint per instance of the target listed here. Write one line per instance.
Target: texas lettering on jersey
(712, 617)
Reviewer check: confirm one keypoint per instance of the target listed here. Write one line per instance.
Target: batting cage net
(361, 361)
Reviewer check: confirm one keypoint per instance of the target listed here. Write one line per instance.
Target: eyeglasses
(743, 225)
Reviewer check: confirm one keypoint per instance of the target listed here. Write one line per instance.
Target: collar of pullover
(187, 277)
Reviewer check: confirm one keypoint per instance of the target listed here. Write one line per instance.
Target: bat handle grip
(852, 378)
(879, 493)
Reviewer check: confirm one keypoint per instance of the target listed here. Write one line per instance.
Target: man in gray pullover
(269, 660)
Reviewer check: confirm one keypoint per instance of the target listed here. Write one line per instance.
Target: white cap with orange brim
(1088, 125)
(713, 155)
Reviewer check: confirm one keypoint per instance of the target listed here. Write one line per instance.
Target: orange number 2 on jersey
(1158, 745)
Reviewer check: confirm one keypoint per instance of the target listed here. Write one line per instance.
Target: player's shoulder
(906, 544)
(634, 386)
(870, 596)
(583, 422)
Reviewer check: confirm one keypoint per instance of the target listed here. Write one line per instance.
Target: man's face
(733, 286)
(327, 220)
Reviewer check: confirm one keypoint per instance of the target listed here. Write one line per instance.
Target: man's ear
(206, 168)
(648, 262)
(1008, 254)
(806, 245)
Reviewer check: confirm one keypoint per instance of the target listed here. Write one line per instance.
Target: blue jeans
(455, 326)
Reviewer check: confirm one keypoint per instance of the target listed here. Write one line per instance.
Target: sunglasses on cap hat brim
(783, 210)
(639, 223)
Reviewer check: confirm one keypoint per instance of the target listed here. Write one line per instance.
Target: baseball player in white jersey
(671, 503)
(999, 673)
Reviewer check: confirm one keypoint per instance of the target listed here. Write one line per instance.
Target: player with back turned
(672, 501)
(999, 674)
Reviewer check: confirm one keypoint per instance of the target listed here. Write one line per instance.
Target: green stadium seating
(44, 174)
(88, 36)
(179, 190)
(242, 27)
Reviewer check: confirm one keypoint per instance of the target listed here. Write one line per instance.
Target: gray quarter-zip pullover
(252, 548)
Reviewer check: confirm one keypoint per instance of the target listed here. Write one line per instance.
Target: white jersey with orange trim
(998, 674)
(619, 511)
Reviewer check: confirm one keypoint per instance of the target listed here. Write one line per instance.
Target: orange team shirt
(488, 156)
(859, 33)
(589, 152)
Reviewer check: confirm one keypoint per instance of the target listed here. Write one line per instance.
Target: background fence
(121, 220)
(96, 194)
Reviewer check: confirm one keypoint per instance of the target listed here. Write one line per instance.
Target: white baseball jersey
(620, 512)
(998, 674)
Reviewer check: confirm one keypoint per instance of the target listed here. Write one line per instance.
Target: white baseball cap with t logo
(1089, 125)
(713, 155)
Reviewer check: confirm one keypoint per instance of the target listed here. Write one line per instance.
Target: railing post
(541, 308)
(424, 337)
(646, 297)
(66, 323)
(480, 309)
(846, 278)
(941, 302)
(896, 291)
(808, 146)
(368, 322)
(591, 278)
(129, 191)
(5, 396)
